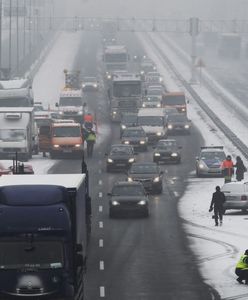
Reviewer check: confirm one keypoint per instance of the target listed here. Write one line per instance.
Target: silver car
(236, 195)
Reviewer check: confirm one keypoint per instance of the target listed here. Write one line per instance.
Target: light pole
(10, 32)
(24, 28)
(17, 36)
(1, 3)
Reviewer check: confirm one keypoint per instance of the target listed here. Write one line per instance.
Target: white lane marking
(100, 182)
(102, 291)
(101, 243)
(100, 224)
(176, 194)
(100, 195)
(100, 208)
(101, 265)
(100, 171)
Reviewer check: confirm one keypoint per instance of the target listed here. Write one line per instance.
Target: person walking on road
(240, 169)
(218, 199)
(227, 169)
(90, 140)
(242, 268)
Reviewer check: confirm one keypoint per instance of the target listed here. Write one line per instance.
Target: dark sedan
(136, 137)
(128, 197)
(167, 151)
(119, 158)
(149, 174)
(128, 120)
(178, 123)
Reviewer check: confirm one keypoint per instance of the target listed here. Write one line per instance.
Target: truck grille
(29, 291)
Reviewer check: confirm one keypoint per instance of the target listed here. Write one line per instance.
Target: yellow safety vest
(242, 263)
(91, 137)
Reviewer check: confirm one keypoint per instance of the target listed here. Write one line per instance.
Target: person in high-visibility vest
(227, 167)
(242, 268)
(90, 140)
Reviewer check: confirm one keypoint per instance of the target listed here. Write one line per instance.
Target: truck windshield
(127, 89)
(115, 57)
(67, 131)
(70, 101)
(150, 121)
(174, 100)
(15, 102)
(12, 135)
(24, 254)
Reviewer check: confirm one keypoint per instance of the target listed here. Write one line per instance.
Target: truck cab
(175, 100)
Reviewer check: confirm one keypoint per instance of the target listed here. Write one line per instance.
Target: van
(152, 120)
(175, 100)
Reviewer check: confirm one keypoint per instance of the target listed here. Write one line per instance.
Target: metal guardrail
(217, 121)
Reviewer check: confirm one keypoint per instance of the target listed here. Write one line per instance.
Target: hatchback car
(149, 174)
(136, 137)
(236, 195)
(167, 151)
(119, 158)
(128, 197)
(178, 123)
(128, 120)
(208, 163)
(90, 84)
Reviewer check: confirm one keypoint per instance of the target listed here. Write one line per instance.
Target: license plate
(120, 165)
(67, 151)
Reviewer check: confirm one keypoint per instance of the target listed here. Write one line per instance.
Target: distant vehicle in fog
(90, 84)
(136, 137)
(120, 157)
(175, 100)
(128, 119)
(178, 124)
(167, 151)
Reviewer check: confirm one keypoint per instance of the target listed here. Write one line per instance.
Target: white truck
(18, 133)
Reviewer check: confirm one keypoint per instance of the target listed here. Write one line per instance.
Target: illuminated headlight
(131, 160)
(77, 145)
(174, 154)
(61, 113)
(156, 154)
(160, 79)
(80, 113)
(159, 105)
(109, 76)
(201, 166)
(186, 126)
(114, 112)
(159, 133)
(123, 126)
(142, 142)
(143, 105)
(115, 203)
(142, 202)
(95, 85)
(170, 126)
(183, 109)
(56, 146)
(129, 179)
(154, 68)
(135, 57)
(156, 179)
(142, 72)
(110, 160)
(126, 142)
(84, 85)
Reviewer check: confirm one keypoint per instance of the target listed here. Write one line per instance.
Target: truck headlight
(56, 146)
(126, 142)
(143, 105)
(95, 85)
(156, 179)
(186, 126)
(109, 76)
(114, 112)
(123, 126)
(156, 154)
(170, 126)
(142, 202)
(142, 142)
(129, 179)
(77, 145)
(131, 160)
(80, 113)
(159, 133)
(110, 160)
(115, 203)
(174, 154)
(159, 105)
(61, 113)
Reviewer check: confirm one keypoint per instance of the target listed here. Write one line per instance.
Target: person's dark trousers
(242, 274)
(218, 215)
(90, 145)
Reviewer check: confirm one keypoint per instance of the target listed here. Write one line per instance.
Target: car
(120, 157)
(128, 197)
(151, 101)
(128, 120)
(153, 78)
(236, 195)
(136, 137)
(149, 174)
(90, 84)
(209, 161)
(178, 124)
(167, 151)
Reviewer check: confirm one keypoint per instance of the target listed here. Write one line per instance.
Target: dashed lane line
(100, 182)
(101, 243)
(100, 195)
(100, 208)
(101, 265)
(100, 224)
(102, 291)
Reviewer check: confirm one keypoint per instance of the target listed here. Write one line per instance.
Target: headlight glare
(131, 160)
(156, 179)
(142, 202)
(115, 203)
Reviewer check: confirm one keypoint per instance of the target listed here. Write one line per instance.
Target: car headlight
(142, 142)
(84, 85)
(77, 145)
(142, 72)
(114, 112)
(143, 105)
(201, 166)
(160, 79)
(156, 179)
(186, 126)
(131, 160)
(142, 202)
(61, 113)
(174, 154)
(126, 142)
(123, 126)
(109, 76)
(95, 85)
(159, 133)
(115, 203)
(156, 154)
(159, 105)
(110, 160)
(183, 109)
(80, 113)
(170, 126)
(129, 179)
(56, 146)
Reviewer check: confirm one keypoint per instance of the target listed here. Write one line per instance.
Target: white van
(153, 121)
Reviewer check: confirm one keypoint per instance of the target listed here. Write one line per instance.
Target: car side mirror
(79, 260)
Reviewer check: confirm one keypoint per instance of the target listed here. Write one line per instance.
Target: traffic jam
(124, 182)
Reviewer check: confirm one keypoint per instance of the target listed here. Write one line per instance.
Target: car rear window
(233, 188)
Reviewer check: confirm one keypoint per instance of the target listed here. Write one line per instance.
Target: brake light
(243, 197)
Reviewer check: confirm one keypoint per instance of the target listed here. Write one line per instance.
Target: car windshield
(218, 155)
(129, 119)
(134, 133)
(174, 100)
(67, 131)
(70, 101)
(152, 98)
(12, 135)
(177, 118)
(127, 190)
(150, 121)
(120, 150)
(167, 145)
(89, 79)
(155, 92)
(26, 254)
(144, 169)
(127, 89)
